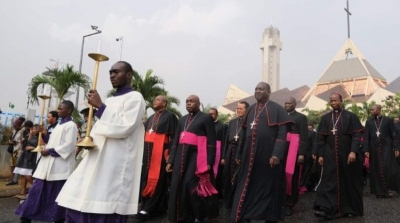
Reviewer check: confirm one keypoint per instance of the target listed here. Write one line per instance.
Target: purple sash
(293, 139)
(205, 188)
(217, 159)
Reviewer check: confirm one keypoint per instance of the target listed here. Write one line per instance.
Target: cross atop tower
(348, 19)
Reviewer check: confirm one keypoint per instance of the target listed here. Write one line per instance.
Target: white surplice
(108, 178)
(63, 141)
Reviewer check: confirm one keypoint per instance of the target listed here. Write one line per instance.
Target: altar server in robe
(380, 139)
(105, 186)
(160, 130)
(340, 191)
(261, 150)
(193, 194)
(54, 168)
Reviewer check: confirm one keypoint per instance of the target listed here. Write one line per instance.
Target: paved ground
(376, 210)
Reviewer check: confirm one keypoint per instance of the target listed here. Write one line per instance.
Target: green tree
(391, 106)
(355, 109)
(61, 80)
(313, 116)
(365, 112)
(150, 86)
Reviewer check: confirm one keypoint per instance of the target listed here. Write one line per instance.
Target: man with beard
(380, 138)
(228, 155)
(340, 192)
(220, 131)
(294, 158)
(193, 194)
(258, 192)
(160, 130)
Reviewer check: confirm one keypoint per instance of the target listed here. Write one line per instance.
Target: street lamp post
(121, 44)
(80, 62)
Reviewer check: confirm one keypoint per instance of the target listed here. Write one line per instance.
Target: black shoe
(349, 215)
(141, 217)
(25, 220)
(11, 183)
(288, 211)
(323, 214)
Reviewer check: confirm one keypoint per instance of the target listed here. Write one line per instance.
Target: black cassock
(384, 171)
(397, 125)
(309, 176)
(184, 204)
(164, 123)
(229, 152)
(220, 130)
(340, 190)
(299, 126)
(257, 195)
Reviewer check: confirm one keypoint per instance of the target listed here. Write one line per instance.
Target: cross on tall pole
(348, 19)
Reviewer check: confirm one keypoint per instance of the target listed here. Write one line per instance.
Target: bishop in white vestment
(54, 168)
(105, 186)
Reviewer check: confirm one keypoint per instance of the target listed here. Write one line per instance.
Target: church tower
(271, 46)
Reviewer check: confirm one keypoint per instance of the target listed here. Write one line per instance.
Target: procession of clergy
(256, 166)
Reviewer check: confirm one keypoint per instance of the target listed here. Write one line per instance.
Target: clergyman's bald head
(192, 103)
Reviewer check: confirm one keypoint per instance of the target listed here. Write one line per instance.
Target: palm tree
(150, 86)
(61, 80)
(365, 110)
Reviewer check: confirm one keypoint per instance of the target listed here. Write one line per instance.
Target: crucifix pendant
(236, 137)
(183, 135)
(252, 125)
(378, 133)
(334, 131)
(151, 130)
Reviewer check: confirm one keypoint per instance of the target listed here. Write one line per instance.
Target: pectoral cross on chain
(334, 131)
(378, 133)
(183, 135)
(236, 137)
(151, 130)
(252, 125)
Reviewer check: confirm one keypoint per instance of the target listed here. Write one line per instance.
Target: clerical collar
(66, 119)
(216, 121)
(194, 113)
(52, 126)
(263, 102)
(160, 111)
(338, 110)
(123, 90)
(290, 113)
(378, 117)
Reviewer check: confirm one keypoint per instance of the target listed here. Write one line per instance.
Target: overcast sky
(197, 47)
